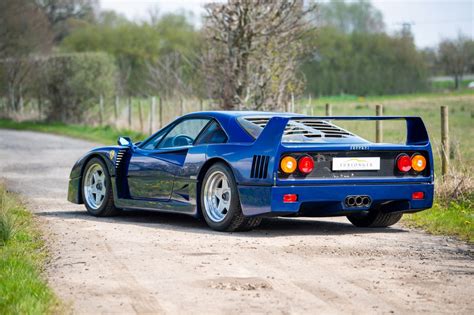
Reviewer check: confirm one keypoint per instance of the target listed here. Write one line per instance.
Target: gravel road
(144, 262)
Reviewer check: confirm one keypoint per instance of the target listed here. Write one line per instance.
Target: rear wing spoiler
(273, 132)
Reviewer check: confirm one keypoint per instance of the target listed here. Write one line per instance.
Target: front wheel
(97, 189)
(220, 201)
(374, 219)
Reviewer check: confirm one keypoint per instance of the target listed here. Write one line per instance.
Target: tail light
(288, 164)
(418, 162)
(418, 195)
(404, 163)
(289, 198)
(306, 164)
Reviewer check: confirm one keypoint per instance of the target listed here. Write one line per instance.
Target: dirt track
(160, 263)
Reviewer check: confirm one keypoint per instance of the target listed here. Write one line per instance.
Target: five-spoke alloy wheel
(220, 202)
(97, 190)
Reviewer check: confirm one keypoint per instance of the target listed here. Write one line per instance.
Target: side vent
(119, 158)
(259, 166)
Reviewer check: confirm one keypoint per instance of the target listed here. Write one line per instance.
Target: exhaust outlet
(358, 201)
(350, 201)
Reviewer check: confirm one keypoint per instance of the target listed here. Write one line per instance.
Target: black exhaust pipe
(350, 201)
(365, 201)
(358, 201)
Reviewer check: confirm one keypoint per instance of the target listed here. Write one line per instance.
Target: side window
(212, 134)
(151, 143)
(184, 133)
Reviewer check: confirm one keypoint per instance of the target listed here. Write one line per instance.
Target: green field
(23, 289)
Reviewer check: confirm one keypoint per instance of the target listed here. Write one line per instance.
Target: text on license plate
(356, 164)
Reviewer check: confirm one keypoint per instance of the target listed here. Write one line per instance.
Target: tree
(253, 51)
(364, 64)
(355, 17)
(63, 13)
(24, 30)
(456, 57)
(135, 45)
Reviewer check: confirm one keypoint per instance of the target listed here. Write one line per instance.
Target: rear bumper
(328, 200)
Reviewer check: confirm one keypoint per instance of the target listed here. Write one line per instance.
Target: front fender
(106, 154)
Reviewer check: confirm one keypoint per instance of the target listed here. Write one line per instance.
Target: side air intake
(119, 158)
(259, 166)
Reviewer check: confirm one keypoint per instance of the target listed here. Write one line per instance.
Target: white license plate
(356, 164)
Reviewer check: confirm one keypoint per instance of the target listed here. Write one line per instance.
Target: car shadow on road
(270, 227)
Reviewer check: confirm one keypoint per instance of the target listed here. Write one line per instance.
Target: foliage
(253, 53)
(134, 45)
(22, 257)
(65, 15)
(364, 64)
(353, 17)
(456, 57)
(72, 83)
(24, 29)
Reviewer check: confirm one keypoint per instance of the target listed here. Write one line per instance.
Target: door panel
(151, 173)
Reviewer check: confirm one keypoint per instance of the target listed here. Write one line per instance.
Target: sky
(431, 20)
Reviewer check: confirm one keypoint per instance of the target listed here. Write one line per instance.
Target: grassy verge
(456, 219)
(22, 257)
(105, 134)
(453, 210)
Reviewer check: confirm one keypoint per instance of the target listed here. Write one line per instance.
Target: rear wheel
(220, 202)
(97, 189)
(374, 219)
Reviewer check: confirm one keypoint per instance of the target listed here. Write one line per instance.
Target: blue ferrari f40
(233, 168)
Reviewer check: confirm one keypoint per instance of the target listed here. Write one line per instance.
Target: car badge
(112, 154)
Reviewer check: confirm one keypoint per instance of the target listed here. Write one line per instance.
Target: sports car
(233, 168)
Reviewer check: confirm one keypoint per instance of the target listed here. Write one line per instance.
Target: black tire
(374, 219)
(234, 219)
(107, 208)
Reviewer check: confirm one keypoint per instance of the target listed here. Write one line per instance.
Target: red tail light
(306, 164)
(418, 195)
(403, 163)
(288, 198)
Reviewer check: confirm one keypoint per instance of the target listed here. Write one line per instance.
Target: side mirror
(125, 141)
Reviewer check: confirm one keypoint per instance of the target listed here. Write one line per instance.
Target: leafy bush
(73, 83)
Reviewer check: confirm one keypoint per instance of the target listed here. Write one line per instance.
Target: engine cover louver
(307, 127)
(259, 166)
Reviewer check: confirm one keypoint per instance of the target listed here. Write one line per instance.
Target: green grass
(455, 218)
(105, 135)
(23, 289)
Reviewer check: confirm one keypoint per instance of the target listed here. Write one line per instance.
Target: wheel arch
(202, 172)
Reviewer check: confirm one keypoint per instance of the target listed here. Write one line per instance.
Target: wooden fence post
(116, 110)
(101, 110)
(152, 115)
(130, 113)
(140, 115)
(444, 140)
(160, 104)
(40, 108)
(328, 110)
(378, 124)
